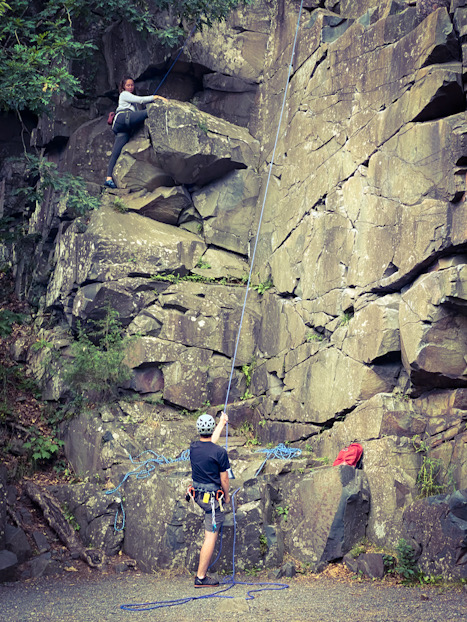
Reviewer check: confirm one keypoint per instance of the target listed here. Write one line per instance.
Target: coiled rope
(144, 468)
(281, 452)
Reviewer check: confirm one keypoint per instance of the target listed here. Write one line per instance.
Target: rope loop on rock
(144, 469)
(281, 452)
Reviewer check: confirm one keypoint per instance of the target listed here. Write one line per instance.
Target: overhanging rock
(195, 147)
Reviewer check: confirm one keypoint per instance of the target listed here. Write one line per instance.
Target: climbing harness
(210, 495)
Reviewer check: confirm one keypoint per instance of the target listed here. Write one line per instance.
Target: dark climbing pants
(124, 126)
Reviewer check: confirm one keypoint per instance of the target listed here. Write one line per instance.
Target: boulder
(191, 317)
(163, 204)
(226, 207)
(95, 512)
(101, 444)
(327, 513)
(227, 97)
(88, 150)
(136, 168)
(195, 147)
(321, 393)
(439, 526)
(220, 264)
(17, 542)
(373, 331)
(369, 564)
(237, 46)
(8, 566)
(114, 245)
(393, 487)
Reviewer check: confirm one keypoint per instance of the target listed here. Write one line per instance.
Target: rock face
(444, 546)
(354, 327)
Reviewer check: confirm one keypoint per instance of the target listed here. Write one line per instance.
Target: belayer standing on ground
(127, 119)
(209, 470)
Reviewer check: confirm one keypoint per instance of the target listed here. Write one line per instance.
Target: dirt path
(97, 598)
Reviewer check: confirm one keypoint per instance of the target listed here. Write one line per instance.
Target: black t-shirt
(208, 461)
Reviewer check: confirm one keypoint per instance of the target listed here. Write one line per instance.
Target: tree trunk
(54, 516)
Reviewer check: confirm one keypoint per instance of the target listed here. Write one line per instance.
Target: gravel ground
(97, 598)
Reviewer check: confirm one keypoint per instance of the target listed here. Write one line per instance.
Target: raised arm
(219, 427)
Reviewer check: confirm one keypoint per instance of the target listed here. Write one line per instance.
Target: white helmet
(205, 424)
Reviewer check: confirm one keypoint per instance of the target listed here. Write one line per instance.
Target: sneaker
(110, 183)
(206, 582)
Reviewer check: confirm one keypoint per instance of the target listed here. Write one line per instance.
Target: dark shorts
(219, 516)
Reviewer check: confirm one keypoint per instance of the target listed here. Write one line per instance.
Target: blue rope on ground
(281, 452)
(229, 583)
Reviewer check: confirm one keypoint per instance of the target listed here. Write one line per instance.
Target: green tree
(38, 40)
(97, 366)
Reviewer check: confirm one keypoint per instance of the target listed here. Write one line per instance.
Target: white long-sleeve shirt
(127, 101)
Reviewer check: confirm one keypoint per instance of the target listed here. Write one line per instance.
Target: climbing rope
(229, 583)
(261, 216)
(281, 452)
(176, 58)
(144, 468)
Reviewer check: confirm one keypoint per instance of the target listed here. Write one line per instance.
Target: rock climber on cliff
(127, 119)
(209, 469)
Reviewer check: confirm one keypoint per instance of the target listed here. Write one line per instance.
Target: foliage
(203, 127)
(70, 517)
(346, 317)
(41, 447)
(253, 571)
(7, 319)
(263, 544)
(119, 206)
(46, 174)
(313, 336)
(39, 40)
(262, 287)
(202, 264)
(428, 476)
(247, 371)
(37, 43)
(325, 460)
(406, 564)
(283, 511)
(41, 344)
(97, 366)
(357, 550)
